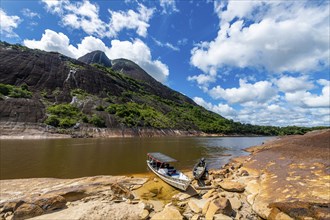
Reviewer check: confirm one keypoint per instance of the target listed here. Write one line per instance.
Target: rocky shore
(20, 130)
(287, 178)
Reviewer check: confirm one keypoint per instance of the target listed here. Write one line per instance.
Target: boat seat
(171, 172)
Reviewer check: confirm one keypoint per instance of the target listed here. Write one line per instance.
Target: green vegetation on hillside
(139, 115)
(63, 115)
(15, 91)
(67, 116)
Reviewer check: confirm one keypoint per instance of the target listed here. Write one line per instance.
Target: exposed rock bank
(20, 130)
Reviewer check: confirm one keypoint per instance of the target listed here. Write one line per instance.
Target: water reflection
(70, 158)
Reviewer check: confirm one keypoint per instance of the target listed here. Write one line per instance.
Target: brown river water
(72, 158)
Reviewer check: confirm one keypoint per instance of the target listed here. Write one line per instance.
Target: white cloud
(283, 36)
(273, 114)
(168, 6)
(260, 92)
(203, 80)
(85, 15)
(167, 44)
(140, 53)
(8, 23)
(306, 99)
(53, 41)
(222, 109)
(131, 20)
(137, 51)
(28, 13)
(55, 6)
(293, 84)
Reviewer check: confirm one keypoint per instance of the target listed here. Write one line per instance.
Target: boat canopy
(161, 157)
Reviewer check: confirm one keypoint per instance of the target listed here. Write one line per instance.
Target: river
(72, 158)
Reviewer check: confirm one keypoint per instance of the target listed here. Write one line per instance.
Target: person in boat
(202, 162)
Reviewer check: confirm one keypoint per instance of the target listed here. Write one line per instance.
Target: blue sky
(259, 62)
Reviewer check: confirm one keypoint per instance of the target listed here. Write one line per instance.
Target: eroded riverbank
(286, 178)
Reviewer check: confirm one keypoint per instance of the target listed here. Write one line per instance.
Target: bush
(79, 93)
(99, 108)
(52, 120)
(97, 121)
(67, 122)
(63, 115)
(64, 110)
(20, 93)
(85, 119)
(14, 91)
(5, 89)
(133, 114)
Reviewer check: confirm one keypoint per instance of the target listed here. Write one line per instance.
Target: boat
(200, 169)
(159, 164)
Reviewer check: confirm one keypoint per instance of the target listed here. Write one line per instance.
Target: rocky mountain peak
(97, 57)
(132, 70)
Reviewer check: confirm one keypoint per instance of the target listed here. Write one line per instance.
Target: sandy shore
(287, 178)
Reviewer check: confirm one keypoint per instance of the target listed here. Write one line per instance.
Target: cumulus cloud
(140, 53)
(85, 15)
(168, 6)
(131, 20)
(222, 109)
(8, 23)
(273, 114)
(307, 99)
(276, 36)
(53, 41)
(260, 92)
(293, 84)
(137, 51)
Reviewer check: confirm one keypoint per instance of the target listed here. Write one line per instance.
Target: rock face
(22, 110)
(96, 57)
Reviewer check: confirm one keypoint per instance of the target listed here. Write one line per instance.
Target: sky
(257, 62)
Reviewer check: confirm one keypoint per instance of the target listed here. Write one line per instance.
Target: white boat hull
(175, 182)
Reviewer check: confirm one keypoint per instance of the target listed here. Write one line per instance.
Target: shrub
(52, 120)
(99, 108)
(63, 115)
(67, 122)
(64, 110)
(14, 91)
(97, 121)
(20, 93)
(134, 114)
(80, 93)
(85, 119)
(5, 89)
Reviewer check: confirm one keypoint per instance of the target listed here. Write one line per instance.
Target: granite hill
(48, 88)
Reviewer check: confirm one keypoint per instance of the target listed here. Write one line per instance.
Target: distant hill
(94, 91)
